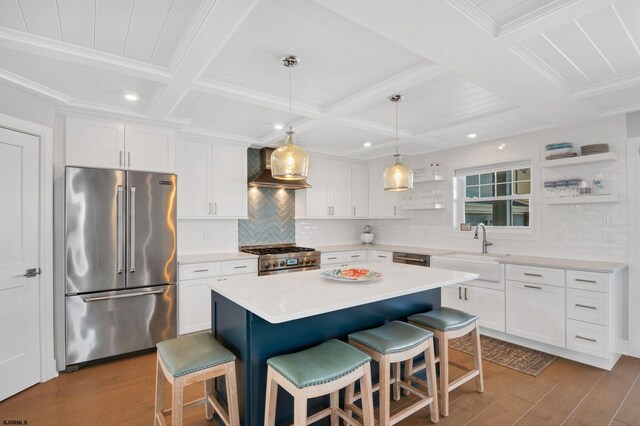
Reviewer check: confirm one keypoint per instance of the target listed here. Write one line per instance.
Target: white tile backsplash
(207, 236)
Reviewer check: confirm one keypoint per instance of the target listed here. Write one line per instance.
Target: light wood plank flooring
(122, 392)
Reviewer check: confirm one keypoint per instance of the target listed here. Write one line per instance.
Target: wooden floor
(121, 393)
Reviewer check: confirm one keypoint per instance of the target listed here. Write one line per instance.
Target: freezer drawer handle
(533, 275)
(585, 281)
(132, 239)
(585, 306)
(410, 259)
(586, 338)
(533, 286)
(122, 296)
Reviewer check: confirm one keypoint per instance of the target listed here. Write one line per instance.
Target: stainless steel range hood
(264, 179)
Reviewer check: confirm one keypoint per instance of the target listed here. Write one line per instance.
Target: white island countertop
(286, 297)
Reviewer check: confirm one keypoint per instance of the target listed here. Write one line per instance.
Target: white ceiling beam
(34, 87)
(436, 30)
(372, 127)
(33, 44)
(223, 19)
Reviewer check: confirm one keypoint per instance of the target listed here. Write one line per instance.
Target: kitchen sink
(486, 265)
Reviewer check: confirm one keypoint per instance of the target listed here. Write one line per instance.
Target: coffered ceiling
(212, 67)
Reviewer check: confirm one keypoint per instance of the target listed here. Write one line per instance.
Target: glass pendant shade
(398, 177)
(289, 162)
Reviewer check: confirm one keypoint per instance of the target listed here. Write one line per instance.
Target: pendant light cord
(290, 100)
(396, 128)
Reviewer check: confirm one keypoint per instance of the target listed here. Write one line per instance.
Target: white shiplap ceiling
(212, 67)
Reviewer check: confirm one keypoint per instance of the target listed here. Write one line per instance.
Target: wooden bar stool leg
(443, 347)
(335, 399)
(271, 399)
(396, 385)
(432, 387)
(232, 394)
(209, 390)
(349, 397)
(300, 411)
(159, 405)
(366, 390)
(385, 382)
(178, 401)
(477, 358)
(408, 372)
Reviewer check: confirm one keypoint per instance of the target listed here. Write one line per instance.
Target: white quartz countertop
(286, 297)
(384, 247)
(214, 257)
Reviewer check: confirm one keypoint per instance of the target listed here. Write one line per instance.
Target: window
(498, 196)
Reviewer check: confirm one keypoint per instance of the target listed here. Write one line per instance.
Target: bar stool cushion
(444, 319)
(321, 364)
(193, 352)
(392, 337)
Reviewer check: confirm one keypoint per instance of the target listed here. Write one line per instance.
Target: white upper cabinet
(339, 190)
(150, 148)
(115, 145)
(382, 204)
(212, 181)
(360, 190)
(94, 143)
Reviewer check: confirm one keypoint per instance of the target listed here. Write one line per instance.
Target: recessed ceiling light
(502, 146)
(131, 96)
(278, 126)
(367, 144)
(472, 135)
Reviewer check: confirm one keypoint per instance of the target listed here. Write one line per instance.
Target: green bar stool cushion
(321, 364)
(444, 319)
(392, 337)
(193, 352)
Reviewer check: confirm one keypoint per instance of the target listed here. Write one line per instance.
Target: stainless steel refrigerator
(120, 267)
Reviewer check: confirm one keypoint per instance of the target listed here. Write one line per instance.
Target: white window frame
(459, 186)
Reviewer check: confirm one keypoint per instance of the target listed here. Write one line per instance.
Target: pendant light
(397, 177)
(289, 162)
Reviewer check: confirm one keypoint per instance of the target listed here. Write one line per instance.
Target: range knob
(307, 261)
(267, 265)
(282, 263)
(313, 261)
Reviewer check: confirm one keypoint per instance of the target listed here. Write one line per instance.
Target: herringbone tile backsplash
(271, 212)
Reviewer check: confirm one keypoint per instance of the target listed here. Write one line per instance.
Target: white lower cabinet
(536, 312)
(487, 304)
(341, 259)
(379, 256)
(194, 293)
(589, 338)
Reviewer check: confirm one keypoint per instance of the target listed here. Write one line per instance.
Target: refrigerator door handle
(120, 230)
(132, 230)
(122, 296)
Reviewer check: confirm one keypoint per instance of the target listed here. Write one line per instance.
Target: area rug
(507, 354)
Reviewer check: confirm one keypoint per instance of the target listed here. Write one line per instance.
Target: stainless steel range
(277, 259)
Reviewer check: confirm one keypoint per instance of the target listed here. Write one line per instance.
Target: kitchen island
(261, 317)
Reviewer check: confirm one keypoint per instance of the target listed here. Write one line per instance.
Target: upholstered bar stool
(322, 370)
(191, 359)
(389, 345)
(446, 324)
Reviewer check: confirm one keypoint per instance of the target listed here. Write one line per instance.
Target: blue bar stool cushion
(444, 319)
(193, 352)
(392, 337)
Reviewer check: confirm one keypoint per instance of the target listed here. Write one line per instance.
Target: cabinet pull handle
(465, 293)
(331, 258)
(411, 259)
(533, 275)
(533, 286)
(586, 338)
(580, 280)
(120, 163)
(382, 257)
(585, 306)
(395, 210)
(459, 292)
(355, 255)
(240, 267)
(328, 210)
(215, 208)
(201, 270)
(333, 210)
(354, 210)
(129, 159)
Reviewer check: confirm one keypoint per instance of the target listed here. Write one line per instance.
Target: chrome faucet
(485, 243)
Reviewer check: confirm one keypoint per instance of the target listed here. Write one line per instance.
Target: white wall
(25, 105)
(318, 232)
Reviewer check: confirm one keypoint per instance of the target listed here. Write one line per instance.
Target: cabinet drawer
(330, 258)
(199, 270)
(594, 281)
(234, 267)
(587, 306)
(380, 256)
(536, 274)
(354, 256)
(589, 338)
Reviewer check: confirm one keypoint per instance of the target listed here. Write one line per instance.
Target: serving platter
(352, 275)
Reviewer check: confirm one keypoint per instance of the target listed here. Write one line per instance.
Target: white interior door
(19, 233)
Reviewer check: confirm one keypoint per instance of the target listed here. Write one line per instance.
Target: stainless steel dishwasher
(411, 258)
